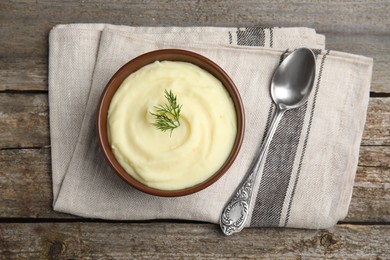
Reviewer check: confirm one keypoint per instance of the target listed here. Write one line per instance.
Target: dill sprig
(167, 115)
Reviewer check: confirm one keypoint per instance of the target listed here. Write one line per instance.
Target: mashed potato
(196, 149)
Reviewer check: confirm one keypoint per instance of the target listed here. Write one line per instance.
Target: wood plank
(377, 126)
(371, 197)
(25, 121)
(357, 28)
(23, 73)
(25, 185)
(189, 241)
(363, 15)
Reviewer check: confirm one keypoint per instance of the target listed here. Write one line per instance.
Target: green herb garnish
(167, 115)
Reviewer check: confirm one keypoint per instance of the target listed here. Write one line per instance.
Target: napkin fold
(308, 176)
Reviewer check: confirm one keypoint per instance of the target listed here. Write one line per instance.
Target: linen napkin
(307, 179)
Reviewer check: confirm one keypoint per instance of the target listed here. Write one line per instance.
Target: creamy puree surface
(193, 151)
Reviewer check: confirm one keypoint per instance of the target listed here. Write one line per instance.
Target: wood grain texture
(371, 192)
(30, 229)
(187, 241)
(25, 121)
(359, 27)
(377, 127)
(25, 185)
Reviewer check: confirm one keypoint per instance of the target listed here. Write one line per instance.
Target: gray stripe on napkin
(278, 168)
(307, 133)
(252, 36)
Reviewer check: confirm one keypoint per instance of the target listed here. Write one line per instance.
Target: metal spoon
(291, 85)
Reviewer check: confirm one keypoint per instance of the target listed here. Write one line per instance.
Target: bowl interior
(134, 65)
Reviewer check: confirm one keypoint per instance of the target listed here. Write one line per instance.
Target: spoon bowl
(293, 79)
(291, 85)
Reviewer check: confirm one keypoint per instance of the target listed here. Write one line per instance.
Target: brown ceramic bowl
(134, 65)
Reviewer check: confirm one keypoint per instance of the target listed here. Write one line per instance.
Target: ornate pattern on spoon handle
(234, 216)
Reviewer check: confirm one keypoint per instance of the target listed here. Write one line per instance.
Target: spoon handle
(236, 210)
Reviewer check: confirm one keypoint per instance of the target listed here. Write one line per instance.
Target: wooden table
(30, 229)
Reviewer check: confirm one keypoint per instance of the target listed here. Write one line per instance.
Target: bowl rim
(134, 65)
